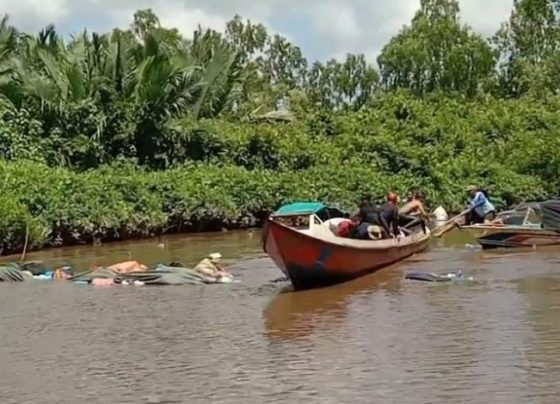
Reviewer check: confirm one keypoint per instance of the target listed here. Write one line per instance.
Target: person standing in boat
(414, 206)
(481, 210)
(389, 215)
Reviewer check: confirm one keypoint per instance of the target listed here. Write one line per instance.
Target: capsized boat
(527, 225)
(300, 240)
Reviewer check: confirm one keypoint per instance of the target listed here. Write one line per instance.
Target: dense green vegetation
(141, 132)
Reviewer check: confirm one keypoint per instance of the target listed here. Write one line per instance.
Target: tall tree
(436, 52)
(529, 44)
(9, 39)
(221, 73)
(274, 69)
(342, 85)
(284, 62)
(248, 38)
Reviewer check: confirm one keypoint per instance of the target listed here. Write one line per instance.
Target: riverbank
(187, 249)
(60, 207)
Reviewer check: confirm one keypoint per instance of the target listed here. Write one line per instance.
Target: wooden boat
(527, 225)
(299, 239)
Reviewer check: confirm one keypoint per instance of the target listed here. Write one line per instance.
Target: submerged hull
(492, 237)
(317, 258)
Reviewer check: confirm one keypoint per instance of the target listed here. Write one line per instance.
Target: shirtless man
(414, 206)
(413, 211)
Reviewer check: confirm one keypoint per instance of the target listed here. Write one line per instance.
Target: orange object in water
(60, 274)
(102, 282)
(128, 267)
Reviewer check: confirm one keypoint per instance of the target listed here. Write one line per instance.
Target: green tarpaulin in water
(36, 268)
(12, 273)
(163, 275)
(167, 276)
(103, 273)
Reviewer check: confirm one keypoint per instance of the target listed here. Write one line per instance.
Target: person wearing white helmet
(210, 266)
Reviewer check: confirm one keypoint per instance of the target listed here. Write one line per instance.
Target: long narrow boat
(300, 241)
(527, 225)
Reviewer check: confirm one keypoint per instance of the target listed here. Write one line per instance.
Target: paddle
(449, 225)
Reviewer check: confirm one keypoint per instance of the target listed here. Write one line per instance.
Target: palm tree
(150, 81)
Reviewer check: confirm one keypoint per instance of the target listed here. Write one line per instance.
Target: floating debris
(123, 273)
(433, 277)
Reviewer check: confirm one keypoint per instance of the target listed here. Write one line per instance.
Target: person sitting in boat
(413, 211)
(389, 216)
(481, 210)
(210, 267)
(378, 222)
(343, 226)
(368, 217)
(367, 210)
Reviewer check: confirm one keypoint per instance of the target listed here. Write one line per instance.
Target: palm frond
(219, 77)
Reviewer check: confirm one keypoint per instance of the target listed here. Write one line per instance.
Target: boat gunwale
(511, 228)
(362, 245)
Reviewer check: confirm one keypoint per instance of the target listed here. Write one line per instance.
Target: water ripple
(377, 339)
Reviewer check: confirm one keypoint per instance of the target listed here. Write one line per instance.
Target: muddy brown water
(379, 339)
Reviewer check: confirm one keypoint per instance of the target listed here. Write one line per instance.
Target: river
(379, 339)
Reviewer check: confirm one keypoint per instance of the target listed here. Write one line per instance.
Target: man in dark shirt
(368, 211)
(389, 215)
(367, 215)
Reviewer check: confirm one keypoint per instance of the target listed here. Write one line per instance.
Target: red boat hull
(310, 262)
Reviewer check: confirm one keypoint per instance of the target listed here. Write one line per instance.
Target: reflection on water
(295, 314)
(542, 361)
(377, 339)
